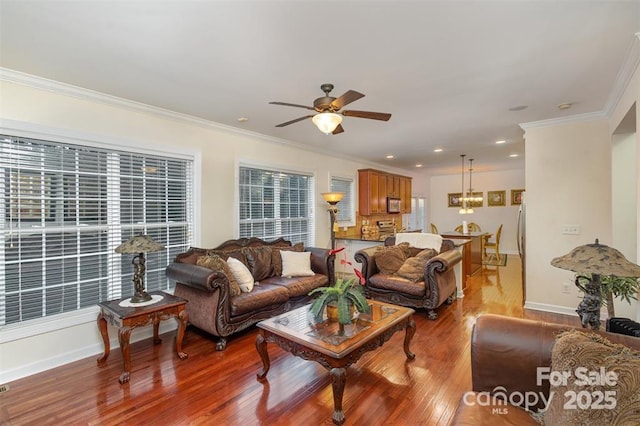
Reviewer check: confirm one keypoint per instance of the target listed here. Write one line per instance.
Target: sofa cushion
(226, 254)
(613, 401)
(258, 259)
(241, 274)
(215, 262)
(296, 264)
(390, 258)
(262, 297)
(276, 258)
(397, 284)
(299, 286)
(413, 268)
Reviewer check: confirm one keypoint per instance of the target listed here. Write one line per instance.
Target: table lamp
(139, 245)
(595, 259)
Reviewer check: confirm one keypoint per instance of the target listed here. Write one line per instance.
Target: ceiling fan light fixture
(327, 122)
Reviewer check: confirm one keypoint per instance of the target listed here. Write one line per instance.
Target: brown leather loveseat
(216, 303)
(430, 284)
(506, 355)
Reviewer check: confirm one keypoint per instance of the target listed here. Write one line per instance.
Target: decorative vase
(332, 311)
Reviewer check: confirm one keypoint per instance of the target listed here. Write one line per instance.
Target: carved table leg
(261, 347)
(156, 325)
(102, 326)
(410, 330)
(338, 380)
(183, 318)
(123, 337)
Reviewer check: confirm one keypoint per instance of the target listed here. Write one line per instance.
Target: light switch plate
(571, 229)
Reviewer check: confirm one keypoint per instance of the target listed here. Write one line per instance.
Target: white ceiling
(448, 71)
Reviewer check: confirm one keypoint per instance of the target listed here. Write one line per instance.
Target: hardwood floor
(211, 387)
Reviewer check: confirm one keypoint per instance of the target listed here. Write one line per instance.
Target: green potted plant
(611, 286)
(346, 295)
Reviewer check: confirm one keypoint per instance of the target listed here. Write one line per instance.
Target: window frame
(21, 330)
(277, 169)
(351, 221)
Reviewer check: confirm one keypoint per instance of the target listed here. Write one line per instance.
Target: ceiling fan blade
(348, 97)
(294, 121)
(292, 105)
(338, 130)
(383, 116)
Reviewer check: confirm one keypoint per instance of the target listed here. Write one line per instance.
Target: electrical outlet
(566, 288)
(571, 229)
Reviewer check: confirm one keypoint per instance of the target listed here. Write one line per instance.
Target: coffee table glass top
(326, 336)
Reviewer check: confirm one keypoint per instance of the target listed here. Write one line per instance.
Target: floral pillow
(389, 259)
(215, 262)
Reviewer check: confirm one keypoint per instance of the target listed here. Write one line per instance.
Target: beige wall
(489, 218)
(78, 113)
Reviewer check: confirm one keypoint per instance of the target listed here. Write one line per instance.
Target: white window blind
(276, 204)
(346, 206)
(67, 207)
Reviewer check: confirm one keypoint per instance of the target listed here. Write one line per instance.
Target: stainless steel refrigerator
(521, 235)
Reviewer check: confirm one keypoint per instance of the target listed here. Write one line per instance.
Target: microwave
(393, 205)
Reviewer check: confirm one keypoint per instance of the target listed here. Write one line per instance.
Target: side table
(127, 317)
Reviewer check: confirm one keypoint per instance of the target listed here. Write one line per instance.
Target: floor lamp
(333, 198)
(598, 260)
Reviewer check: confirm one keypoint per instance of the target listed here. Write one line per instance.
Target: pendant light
(463, 198)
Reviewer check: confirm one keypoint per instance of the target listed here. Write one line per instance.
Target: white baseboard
(88, 351)
(544, 307)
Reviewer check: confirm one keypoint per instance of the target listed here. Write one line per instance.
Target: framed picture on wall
(477, 200)
(516, 196)
(455, 199)
(496, 198)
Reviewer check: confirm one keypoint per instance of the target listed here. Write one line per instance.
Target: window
(67, 207)
(346, 206)
(415, 220)
(276, 204)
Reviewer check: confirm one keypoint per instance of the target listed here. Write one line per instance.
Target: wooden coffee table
(297, 333)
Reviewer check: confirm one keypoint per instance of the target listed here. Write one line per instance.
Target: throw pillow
(241, 274)
(413, 268)
(258, 261)
(217, 263)
(296, 264)
(389, 259)
(276, 259)
(605, 391)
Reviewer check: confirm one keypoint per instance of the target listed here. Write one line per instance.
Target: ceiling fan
(328, 114)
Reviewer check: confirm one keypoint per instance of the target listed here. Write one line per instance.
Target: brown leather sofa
(215, 308)
(437, 286)
(505, 355)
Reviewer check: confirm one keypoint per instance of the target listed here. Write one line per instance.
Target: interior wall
(221, 150)
(624, 203)
(568, 182)
(489, 218)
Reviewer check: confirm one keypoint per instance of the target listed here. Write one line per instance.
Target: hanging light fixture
(327, 122)
(463, 197)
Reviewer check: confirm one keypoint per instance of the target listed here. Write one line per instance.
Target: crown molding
(578, 118)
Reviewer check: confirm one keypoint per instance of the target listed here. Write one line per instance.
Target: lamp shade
(326, 121)
(333, 197)
(597, 259)
(139, 244)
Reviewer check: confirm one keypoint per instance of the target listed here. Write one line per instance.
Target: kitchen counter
(472, 257)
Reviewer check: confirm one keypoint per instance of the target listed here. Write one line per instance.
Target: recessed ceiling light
(437, 150)
(565, 105)
(518, 107)
(243, 119)
(500, 142)
(513, 155)
(389, 156)
(418, 165)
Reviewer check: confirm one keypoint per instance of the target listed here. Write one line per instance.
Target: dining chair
(494, 245)
(474, 227)
(434, 229)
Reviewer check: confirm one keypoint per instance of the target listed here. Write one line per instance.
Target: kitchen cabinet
(374, 188)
